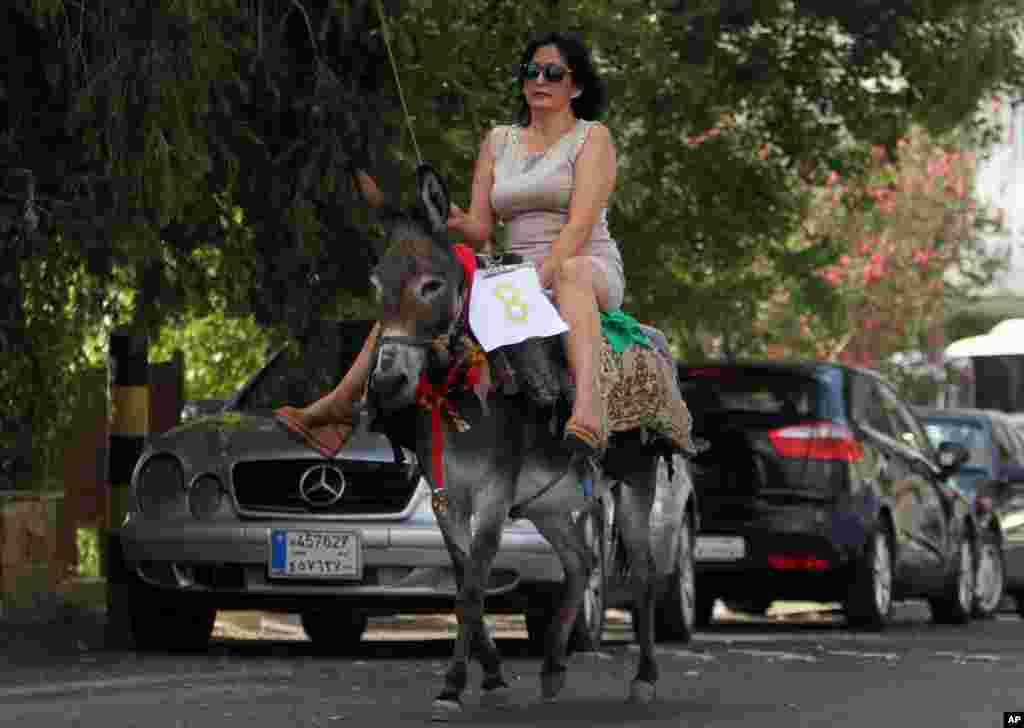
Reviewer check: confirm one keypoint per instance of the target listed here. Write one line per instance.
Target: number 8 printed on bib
(509, 307)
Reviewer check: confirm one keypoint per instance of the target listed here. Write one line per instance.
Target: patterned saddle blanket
(640, 385)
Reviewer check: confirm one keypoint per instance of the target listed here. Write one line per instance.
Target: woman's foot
(584, 438)
(326, 439)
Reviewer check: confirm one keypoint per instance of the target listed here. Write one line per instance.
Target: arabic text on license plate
(302, 554)
(720, 548)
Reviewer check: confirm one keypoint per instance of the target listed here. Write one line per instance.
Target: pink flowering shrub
(902, 227)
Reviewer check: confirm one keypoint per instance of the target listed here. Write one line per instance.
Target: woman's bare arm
(594, 181)
(478, 223)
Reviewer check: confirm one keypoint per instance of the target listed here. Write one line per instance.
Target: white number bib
(509, 306)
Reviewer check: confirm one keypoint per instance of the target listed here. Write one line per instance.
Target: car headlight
(205, 496)
(160, 488)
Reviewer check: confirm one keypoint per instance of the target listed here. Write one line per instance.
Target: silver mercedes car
(228, 512)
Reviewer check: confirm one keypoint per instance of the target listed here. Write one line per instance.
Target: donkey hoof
(496, 697)
(495, 692)
(642, 692)
(551, 684)
(444, 708)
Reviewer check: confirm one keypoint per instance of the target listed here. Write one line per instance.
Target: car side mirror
(201, 407)
(951, 456)
(1013, 473)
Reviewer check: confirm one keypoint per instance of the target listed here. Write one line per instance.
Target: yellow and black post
(129, 427)
(129, 418)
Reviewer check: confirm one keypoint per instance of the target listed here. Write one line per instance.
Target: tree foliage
(160, 133)
(909, 233)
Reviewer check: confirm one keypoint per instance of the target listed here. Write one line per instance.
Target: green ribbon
(622, 330)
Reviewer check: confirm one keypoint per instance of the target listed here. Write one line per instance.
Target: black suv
(820, 483)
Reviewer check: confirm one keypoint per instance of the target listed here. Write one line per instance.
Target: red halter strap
(464, 374)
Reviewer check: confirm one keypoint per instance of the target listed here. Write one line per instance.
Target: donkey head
(420, 286)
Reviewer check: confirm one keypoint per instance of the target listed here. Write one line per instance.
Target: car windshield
(967, 433)
(969, 479)
(750, 391)
(305, 372)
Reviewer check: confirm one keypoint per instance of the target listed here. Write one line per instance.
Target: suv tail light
(817, 441)
(802, 562)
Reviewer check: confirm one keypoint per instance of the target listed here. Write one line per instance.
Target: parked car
(820, 484)
(993, 479)
(1017, 418)
(228, 512)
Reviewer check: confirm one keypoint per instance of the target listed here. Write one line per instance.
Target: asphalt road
(807, 670)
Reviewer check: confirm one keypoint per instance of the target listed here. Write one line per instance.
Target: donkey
(505, 461)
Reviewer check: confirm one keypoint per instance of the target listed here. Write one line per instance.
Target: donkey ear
(368, 190)
(433, 198)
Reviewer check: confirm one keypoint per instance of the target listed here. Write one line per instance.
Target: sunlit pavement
(265, 625)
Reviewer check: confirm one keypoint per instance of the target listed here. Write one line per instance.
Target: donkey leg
(494, 687)
(495, 691)
(455, 530)
(473, 567)
(566, 539)
(633, 512)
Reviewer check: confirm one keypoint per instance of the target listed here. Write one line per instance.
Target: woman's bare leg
(579, 290)
(338, 406)
(327, 423)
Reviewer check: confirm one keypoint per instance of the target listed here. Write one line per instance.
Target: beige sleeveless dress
(531, 196)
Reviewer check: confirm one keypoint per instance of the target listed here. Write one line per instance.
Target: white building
(1000, 183)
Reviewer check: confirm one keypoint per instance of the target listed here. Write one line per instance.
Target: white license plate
(720, 548)
(303, 554)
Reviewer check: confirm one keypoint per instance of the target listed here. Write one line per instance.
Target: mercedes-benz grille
(313, 487)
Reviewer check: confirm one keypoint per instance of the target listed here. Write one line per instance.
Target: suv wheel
(677, 614)
(335, 631)
(869, 600)
(588, 631)
(990, 580)
(954, 606)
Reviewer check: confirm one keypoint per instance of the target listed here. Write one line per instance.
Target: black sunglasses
(552, 71)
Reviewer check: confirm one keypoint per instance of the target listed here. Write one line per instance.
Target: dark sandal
(583, 440)
(327, 440)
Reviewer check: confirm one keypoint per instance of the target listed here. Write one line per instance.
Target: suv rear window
(788, 394)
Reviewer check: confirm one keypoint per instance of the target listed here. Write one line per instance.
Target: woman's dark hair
(593, 97)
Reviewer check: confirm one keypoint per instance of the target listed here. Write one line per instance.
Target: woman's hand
(457, 219)
(547, 271)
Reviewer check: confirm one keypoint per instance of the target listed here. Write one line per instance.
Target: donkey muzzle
(388, 377)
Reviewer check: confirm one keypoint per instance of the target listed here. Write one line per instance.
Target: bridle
(439, 347)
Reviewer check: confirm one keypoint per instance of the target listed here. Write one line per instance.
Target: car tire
(1018, 602)
(588, 632)
(334, 632)
(676, 618)
(990, 578)
(705, 608)
(144, 618)
(165, 624)
(538, 620)
(868, 602)
(956, 603)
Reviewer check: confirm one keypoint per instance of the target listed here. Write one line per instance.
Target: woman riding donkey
(549, 179)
